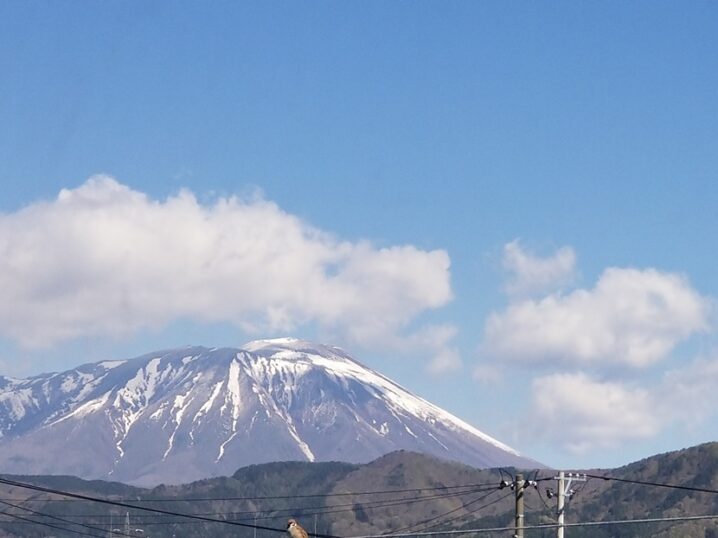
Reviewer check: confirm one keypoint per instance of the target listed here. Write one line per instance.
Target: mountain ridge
(194, 412)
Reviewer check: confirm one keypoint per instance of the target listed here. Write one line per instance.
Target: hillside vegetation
(402, 491)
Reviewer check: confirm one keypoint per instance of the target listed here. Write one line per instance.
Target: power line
(656, 484)
(270, 497)
(177, 514)
(200, 518)
(392, 535)
(372, 505)
(50, 525)
(304, 511)
(146, 509)
(473, 511)
(324, 506)
(422, 523)
(57, 518)
(544, 527)
(546, 506)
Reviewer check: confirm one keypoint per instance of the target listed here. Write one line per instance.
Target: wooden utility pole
(519, 490)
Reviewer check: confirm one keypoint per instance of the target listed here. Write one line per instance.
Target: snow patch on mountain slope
(109, 365)
(207, 406)
(133, 399)
(18, 402)
(177, 412)
(281, 398)
(276, 380)
(233, 399)
(84, 409)
(399, 398)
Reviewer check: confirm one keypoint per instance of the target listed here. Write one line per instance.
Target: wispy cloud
(103, 259)
(447, 360)
(530, 274)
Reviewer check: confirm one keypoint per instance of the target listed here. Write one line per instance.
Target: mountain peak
(286, 342)
(277, 346)
(191, 413)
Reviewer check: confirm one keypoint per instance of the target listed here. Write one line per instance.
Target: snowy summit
(185, 414)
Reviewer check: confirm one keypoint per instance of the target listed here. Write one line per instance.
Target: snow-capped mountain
(184, 414)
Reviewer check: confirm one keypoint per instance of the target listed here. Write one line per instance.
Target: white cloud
(104, 259)
(583, 414)
(531, 274)
(433, 340)
(447, 360)
(488, 374)
(632, 317)
(687, 395)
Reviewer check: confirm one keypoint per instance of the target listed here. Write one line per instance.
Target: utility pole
(560, 504)
(519, 487)
(564, 492)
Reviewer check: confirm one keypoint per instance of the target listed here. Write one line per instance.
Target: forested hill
(402, 491)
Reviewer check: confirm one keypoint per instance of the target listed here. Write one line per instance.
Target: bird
(295, 530)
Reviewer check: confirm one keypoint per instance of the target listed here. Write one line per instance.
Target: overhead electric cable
(372, 505)
(394, 535)
(656, 484)
(50, 525)
(303, 511)
(63, 520)
(542, 527)
(146, 509)
(473, 511)
(275, 497)
(420, 524)
(550, 509)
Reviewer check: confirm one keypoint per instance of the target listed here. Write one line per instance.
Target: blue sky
(507, 207)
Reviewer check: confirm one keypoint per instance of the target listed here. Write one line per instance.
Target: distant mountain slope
(401, 490)
(181, 415)
(396, 489)
(695, 467)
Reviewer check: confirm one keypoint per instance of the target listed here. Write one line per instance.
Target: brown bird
(295, 530)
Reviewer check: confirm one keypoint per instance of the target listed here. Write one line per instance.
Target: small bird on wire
(295, 530)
